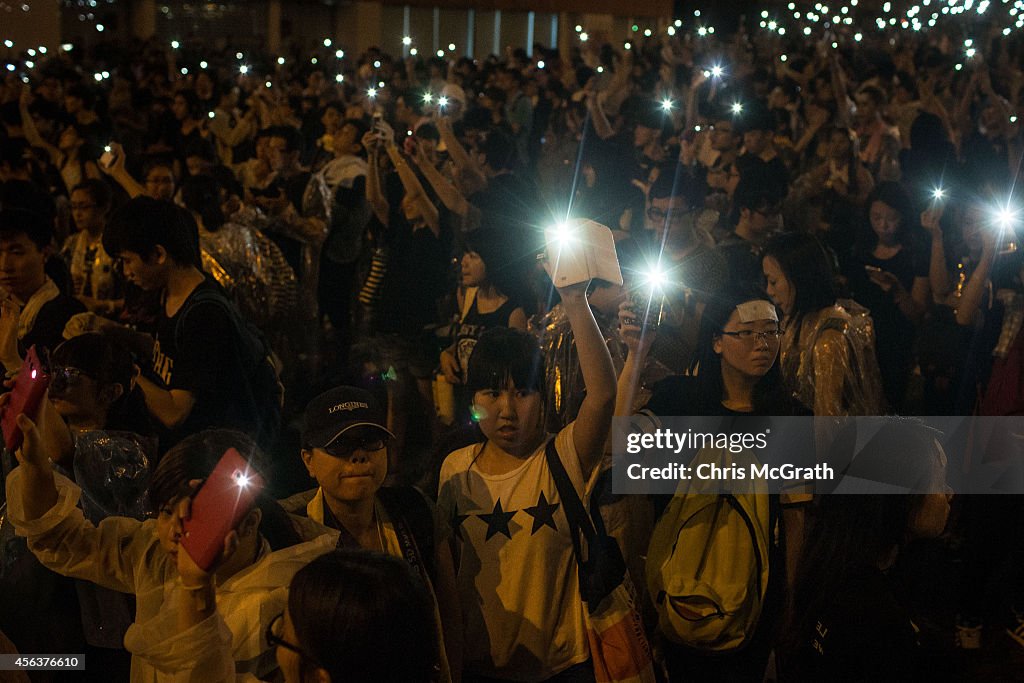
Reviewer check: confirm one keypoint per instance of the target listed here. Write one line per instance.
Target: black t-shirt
(861, 633)
(680, 395)
(48, 329)
(197, 350)
(416, 278)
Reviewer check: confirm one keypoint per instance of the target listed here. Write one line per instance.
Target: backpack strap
(414, 525)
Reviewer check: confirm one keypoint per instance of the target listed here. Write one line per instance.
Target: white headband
(757, 309)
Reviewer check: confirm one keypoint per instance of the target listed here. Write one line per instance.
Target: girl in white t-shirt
(498, 503)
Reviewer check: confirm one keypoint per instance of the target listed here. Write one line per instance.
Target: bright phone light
(241, 480)
(243, 69)
(938, 193)
(371, 92)
(667, 104)
(427, 98)
(655, 278)
(564, 234)
(737, 107)
(442, 101)
(406, 40)
(716, 71)
(1005, 217)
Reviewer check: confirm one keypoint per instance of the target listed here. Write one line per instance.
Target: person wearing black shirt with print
(198, 377)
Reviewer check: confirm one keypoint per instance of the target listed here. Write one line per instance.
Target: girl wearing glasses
(735, 374)
(142, 558)
(735, 371)
(353, 616)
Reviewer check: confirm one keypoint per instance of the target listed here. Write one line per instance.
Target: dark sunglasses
(343, 448)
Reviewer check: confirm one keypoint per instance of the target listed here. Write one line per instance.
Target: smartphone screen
(221, 503)
(26, 397)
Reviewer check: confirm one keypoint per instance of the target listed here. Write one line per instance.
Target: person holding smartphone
(141, 558)
(502, 511)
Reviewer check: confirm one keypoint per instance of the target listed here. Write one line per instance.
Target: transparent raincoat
(836, 371)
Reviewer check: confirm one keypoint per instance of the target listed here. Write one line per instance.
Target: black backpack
(265, 392)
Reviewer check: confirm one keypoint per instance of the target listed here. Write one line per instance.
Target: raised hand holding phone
(26, 396)
(218, 507)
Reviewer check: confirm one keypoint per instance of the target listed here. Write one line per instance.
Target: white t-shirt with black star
(516, 571)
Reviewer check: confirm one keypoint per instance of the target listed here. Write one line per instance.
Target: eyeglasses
(275, 630)
(747, 336)
(61, 377)
(673, 215)
(344, 448)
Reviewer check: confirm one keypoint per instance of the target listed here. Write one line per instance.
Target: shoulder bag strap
(580, 523)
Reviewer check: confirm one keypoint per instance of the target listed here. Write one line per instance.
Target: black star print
(457, 521)
(497, 521)
(543, 514)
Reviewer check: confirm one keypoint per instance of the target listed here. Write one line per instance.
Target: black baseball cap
(338, 410)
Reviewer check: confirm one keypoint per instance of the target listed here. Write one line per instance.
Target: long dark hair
(891, 194)
(768, 392)
(364, 617)
(195, 456)
(810, 268)
(495, 250)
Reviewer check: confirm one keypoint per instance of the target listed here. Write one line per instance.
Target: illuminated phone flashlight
(650, 296)
(667, 105)
(212, 115)
(371, 93)
(717, 71)
(241, 479)
(427, 98)
(339, 78)
(938, 193)
(565, 234)
(243, 69)
(1005, 217)
(106, 148)
(175, 45)
(34, 373)
(442, 101)
(407, 40)
(737, 107)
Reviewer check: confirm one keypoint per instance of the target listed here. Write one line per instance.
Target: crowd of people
(330, 263)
